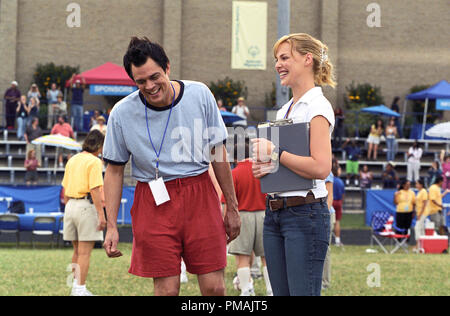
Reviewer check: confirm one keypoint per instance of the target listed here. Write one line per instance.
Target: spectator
(338, 202)
(221, 106)
(434, 206)
(445, 164)
(94, 118)
(389, 177)
(56, 109)
(365, 178)
(421, 214)
(84, 217)
(352, 165)
(413, 167)
(396, 108)
(32, 132)
(374, 139)
(251, 205)
(433, 172)
(34, 92)
(11, 97)
(101, 126)
(326, 277)
(391, 134)
(404, 200)
(22, 117)
(76, 106)
(33, 109)
(339, 129)
(64, 129)
(31, 164)
(52, 95)
(241, 110)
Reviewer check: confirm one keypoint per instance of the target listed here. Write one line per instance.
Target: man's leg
(212, 284)
(168, 286)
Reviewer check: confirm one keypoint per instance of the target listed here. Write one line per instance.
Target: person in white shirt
(297, 223)
(413, 167)
(241, 110)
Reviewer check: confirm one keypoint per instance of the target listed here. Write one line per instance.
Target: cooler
(433, 244)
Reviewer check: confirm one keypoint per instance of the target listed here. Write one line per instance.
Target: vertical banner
(249, 38)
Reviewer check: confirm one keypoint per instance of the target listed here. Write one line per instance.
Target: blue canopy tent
(229, 117)
(440, 90)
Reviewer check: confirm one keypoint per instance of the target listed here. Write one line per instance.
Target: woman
(365, 178)
(391, 134)
(33, 109)
(445, 163)
(295, 252)
(433, 172)
(100, 126)
(374, 139)
(22, 117)
(84, 221)
(34, 92)
(413, 166)
(421, 215)
(404, 199)
(31, 164)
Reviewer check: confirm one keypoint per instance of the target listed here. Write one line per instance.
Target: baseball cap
(15, 83)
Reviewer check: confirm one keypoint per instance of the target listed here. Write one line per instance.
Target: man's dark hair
(420, 181)
(439, 179)
(140, 50)
(94, 141)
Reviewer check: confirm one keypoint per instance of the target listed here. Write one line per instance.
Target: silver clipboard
(293, 138)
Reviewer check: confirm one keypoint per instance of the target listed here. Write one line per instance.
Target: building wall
(410, 48)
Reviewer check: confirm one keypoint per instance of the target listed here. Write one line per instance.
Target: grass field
(43, 271)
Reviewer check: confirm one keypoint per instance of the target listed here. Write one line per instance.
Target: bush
(45, 74)
(229, 91)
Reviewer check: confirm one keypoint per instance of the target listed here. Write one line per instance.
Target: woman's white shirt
(313, 103)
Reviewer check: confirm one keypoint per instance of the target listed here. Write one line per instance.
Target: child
(31, 164)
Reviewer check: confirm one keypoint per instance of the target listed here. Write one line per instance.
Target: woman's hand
(101, 222)
(262, 150)
(260, 169)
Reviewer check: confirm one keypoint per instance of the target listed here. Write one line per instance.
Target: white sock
(266, 279)
(244, 278)
(338, 240)
(183, 267)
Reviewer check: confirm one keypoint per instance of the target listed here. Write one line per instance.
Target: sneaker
(269, 293)
(356, 183)
(80, 292)
(347, 182)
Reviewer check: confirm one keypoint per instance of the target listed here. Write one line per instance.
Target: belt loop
(284, 203)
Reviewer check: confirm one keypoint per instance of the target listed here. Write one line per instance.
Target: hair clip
(323, 56)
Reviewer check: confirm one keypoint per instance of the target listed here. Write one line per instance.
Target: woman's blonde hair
(304, 44)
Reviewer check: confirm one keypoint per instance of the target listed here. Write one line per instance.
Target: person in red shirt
(64, 129)
(252, 205)
(31, 164)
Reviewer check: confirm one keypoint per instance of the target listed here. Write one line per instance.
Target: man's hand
(232, 222)
(110, 244)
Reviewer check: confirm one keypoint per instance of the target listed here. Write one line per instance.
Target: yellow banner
(249, 38)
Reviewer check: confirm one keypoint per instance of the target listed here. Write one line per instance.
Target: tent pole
(424, 118)
(403, 116)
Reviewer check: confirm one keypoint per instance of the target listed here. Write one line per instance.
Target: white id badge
(159, 191)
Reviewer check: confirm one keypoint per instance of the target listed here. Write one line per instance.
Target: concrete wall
(411, 46)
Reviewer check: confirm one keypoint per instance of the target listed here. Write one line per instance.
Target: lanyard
(165, 130)
(289, 110)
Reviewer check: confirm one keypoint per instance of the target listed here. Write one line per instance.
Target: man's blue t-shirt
(77, 96)
(352, 153)
(338, 189)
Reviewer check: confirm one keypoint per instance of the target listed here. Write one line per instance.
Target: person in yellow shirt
(421, 213)
(434, 206)
(84, 218)
(404, 200)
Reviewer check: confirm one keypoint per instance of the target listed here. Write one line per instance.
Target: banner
(249, 35)
(443, 104)
(111, 90)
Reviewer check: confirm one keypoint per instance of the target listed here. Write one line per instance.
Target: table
(8, 200)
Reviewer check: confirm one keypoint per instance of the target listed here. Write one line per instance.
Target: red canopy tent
(107, 74)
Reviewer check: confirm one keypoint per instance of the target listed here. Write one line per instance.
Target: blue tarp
(383, 200)
(440, 90)
(380, 109)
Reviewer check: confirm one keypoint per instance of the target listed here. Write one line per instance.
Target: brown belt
(285, 202)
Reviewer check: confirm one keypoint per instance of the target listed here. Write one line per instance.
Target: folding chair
(383, 232)
(9, 224)
(41, 225)
(60, 231)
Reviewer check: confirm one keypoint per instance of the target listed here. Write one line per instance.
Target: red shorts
(189, 226)
(337, 205)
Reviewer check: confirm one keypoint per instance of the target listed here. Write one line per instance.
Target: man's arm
(224, 177)
(113, 184)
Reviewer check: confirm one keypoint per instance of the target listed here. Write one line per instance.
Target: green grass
(353, 221)
(42, 271)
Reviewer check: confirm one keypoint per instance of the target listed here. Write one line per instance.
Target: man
(389, 177)
(176, 211)
(241, 110)
(11, 97)
(54, 98)
(64, 129)
(434, 206)
(76, 107)
(32, 132)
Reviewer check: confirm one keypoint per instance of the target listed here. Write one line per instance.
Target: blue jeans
(390, 144)
(21, 127)
(296, 241)
(76, 111)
